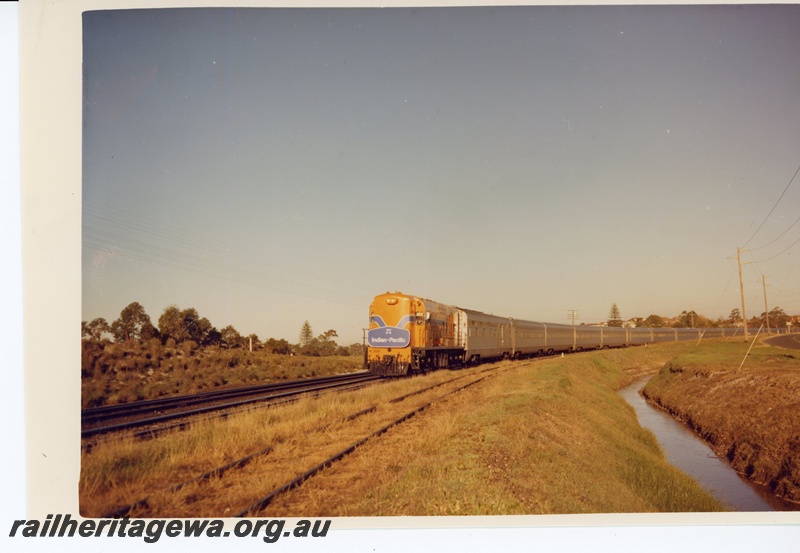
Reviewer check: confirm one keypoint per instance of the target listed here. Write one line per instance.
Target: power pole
(741, 289)
(364, 345)
(572, 314)
(766, 309)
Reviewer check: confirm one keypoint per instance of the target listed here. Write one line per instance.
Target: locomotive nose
(389, 337)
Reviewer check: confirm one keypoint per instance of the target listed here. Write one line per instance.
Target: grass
(121, 471)
(748, 412)
(547, 436)
(541, 438)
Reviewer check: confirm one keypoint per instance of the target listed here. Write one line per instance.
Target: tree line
(776, 318)
(181, 326)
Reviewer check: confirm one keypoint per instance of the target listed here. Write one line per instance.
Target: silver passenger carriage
(487, 336)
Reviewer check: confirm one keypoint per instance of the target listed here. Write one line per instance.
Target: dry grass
(549, 436)
(543, 437)
(121, 471)
(749, 415)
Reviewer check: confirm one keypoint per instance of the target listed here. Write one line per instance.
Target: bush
(115, 372)
(187, 347)
(91, 352)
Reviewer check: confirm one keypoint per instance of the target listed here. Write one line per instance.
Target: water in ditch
(689, 453)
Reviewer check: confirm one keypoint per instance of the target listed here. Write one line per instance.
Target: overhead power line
(779, 236)
(793, 244)
(121, 233)
(773, 207)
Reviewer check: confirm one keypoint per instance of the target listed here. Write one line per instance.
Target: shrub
(187, 347)
(115, 372)
(91, 352)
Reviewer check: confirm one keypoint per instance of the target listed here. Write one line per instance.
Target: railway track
(114, 418)
(262, 503)
(321, 453)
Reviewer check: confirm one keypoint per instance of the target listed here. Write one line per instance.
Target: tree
(614, 318)
(654, 321)
(279, 346)
(684, 320)
(186, 324)
(735, 316)
(690, 319)
(778, 318)
(356, 349)
(133, 324)
(231, 337)
(212, 338)
(254, 340)
(95, 328)
(321, 346)
(306, 334)
(195, 327)
(170, 325)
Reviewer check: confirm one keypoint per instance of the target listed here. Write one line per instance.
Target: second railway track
(112, 418)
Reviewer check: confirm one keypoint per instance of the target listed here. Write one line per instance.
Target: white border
(51, 144)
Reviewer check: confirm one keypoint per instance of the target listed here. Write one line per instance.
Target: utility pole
(741, 289)
(364, 345)
(766, 309)
(572, 314)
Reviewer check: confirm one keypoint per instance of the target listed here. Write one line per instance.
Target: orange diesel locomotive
(409, 334)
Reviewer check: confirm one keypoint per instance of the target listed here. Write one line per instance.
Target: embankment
(749, 414)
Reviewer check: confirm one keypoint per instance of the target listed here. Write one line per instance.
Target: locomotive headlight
(391, 301)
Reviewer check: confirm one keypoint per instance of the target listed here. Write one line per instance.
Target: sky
(272, 166)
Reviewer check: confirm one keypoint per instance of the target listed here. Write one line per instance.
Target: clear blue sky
(270, 166)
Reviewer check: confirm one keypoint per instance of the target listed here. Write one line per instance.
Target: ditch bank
(745, 406)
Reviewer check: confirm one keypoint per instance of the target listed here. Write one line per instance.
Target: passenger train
(408, 334)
